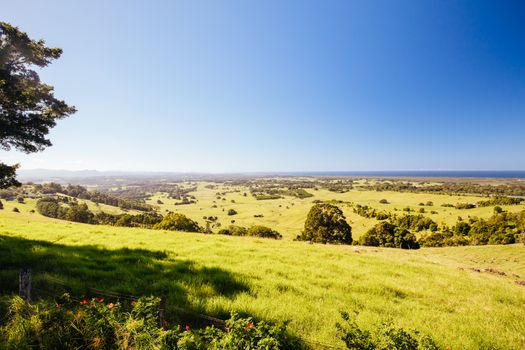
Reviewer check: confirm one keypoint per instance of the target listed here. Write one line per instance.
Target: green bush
(233, 230)
(178, 222)
(96, 324)
(255, 231)
(326, 223)
(263, 231)
(386, 234)
(384, 337)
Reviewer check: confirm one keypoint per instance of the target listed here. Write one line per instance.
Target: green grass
(432, 290)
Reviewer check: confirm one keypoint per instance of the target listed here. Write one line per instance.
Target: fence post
(24, 284)
(162, 306)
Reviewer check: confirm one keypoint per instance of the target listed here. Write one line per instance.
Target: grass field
(287, 215)
(437, 291)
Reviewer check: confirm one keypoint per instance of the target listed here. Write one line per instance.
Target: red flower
(249, 325)
(84, 302)
(100, 300)
(187, 328)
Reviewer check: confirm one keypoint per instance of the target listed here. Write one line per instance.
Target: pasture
(287, 214)
(436, 291)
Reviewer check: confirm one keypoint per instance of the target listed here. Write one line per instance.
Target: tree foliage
(178, 222)
(28, 107)
(386, 234)
(326, 223)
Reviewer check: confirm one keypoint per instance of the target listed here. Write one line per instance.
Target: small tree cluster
(389, 235)
(326, 223)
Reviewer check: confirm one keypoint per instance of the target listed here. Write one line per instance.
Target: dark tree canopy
(326, 223)
(28, 107)
(385, 234)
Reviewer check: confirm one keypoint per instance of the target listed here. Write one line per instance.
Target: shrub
(233, 231)
(465, 206)
(178, 222)
(15, 209)
(232, 212)
(264, 232)
(326, 223)
(384, 337)
(386, 234)
(96, 324)
(383, 201)
(1, 205)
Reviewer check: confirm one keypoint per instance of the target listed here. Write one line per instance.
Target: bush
(326, 223)
(15, 209)
(232, 212)
(264, 232)
(255, 231)
(96, 324)
(389, 235)
(233, 231)
(383, 201)
(385, 337)
(178, 222)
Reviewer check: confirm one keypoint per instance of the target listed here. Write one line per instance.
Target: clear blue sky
(226, 86)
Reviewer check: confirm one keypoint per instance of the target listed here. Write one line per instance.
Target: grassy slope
(287, 215)
(307, 284)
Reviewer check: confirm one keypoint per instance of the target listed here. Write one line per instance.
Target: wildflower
(249, 326)
(69, 312)
(110, 305)
(84, 302)
(100, 300)
(57, 306)
(187, 328)
(133, 302)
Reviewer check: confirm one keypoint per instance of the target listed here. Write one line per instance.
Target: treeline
(447, 188)
(64, 209)
(325, 223)
(500, 201)
(500, 228)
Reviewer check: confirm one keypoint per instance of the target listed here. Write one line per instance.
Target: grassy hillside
(437, 291)
(287, 215)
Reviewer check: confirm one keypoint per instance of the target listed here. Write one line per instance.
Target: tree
(386, 234)
(28, 107)
(326, 223)
(178, 222)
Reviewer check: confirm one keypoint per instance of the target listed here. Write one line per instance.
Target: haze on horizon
(235, 86)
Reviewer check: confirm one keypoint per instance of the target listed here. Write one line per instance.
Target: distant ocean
(517, 174)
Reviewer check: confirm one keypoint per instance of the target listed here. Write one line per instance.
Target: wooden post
(24, 284)
(162, 306)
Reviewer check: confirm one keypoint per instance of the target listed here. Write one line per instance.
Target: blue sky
(228, 86)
